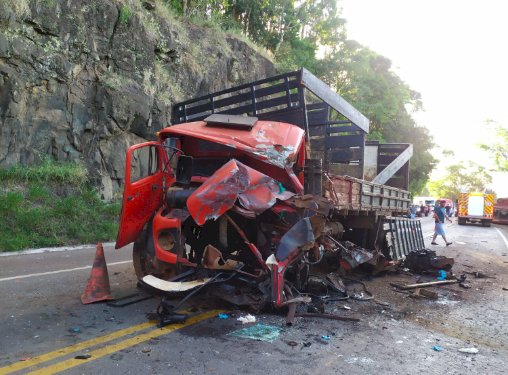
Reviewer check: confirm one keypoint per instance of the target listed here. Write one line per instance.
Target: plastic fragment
(223, 316)
(441, 275)
(437, 348)
(247, 319)
(469, 350)
(325, 337)
(75, 330)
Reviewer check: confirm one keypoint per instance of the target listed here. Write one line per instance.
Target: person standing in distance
(439, 218)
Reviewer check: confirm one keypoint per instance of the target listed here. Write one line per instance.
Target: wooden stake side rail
(354, 194)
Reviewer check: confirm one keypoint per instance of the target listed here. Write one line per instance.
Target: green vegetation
(52, 205)
(312, 34)
(468, 176)
(498, 150)
(125, 14)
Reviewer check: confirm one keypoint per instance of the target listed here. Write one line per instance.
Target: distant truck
(475, 208)
(426, 205)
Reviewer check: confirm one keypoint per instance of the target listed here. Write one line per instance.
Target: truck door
(145, 179)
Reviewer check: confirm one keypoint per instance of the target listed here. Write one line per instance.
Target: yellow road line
(74, 348)
(109, 349)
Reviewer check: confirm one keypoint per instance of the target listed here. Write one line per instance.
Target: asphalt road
(44, 326)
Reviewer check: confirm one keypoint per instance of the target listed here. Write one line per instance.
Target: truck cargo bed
(353, 194)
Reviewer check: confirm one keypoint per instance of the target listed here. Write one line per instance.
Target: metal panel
(345, 155)
(344, 141)
(406, 236)
(324, 92)
(394, 166)
(231, 121)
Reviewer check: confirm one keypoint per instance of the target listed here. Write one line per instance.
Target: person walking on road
(440, 217)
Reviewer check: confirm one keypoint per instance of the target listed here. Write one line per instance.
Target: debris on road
(223, 316)
(247, 319)
(130, 299)
(441, 275)
(469, 350)
(423, 261)
(437, 348)
(424, 285)
(481, 275)
(83, 356)
(327, 316)
(418, 293)
(259, 332)
(75, 330)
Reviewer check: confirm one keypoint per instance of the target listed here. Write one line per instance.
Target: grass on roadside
(52, 204)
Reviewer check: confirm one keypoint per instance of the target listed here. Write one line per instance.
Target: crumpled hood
(254, 190)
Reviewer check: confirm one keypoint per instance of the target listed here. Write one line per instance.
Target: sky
(455, 53)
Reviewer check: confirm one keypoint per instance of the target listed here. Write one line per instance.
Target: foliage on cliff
(52, 204)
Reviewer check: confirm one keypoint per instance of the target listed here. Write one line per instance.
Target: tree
(460, 177)
(498, 150)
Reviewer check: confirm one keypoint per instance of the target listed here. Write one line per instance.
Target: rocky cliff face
(83, 80)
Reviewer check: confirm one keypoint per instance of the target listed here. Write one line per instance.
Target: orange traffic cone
(97, 288)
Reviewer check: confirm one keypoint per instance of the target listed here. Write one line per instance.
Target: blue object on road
(325, 337)
(437, 348)
(441, 275)
(223, 316)
(75, 330)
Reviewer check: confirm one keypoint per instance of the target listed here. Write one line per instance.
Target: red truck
(245, 182)
(501, 211)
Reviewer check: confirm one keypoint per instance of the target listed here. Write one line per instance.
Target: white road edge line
(503, 237)
(52, 249)
(59, 271)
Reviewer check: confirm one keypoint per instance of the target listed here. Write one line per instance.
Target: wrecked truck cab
(216, 177)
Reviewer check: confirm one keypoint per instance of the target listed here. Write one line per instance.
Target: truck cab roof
(273, 142)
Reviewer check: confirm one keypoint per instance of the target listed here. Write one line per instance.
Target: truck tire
(461, 221)
(486, 223)
(143, 261)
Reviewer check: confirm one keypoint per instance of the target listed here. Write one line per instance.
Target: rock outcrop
(83, 80)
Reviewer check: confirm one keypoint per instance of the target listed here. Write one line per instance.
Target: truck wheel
(145, 264)
(485, 223)
(462, 221)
